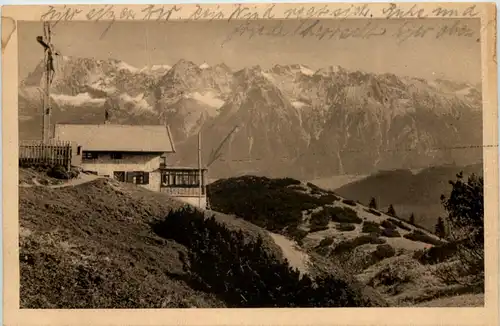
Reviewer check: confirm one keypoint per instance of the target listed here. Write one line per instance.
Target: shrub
(284, 182)
(325, 242)
(297, 234)
(384, 251)
(436, 254)
(400, 224)
(349, 202)
(319, 219)
(297, 187)
(317, 228)
(244, 274)
(418, 254)
(60, 172)
(313, 186)
(328, 199)
(390, 233)
(388, 224)
(418, 235)
(343, 215)
(262, 201)
(346, 227)
(350, 245)
(370, 227)
(336, 214)
(374, 212)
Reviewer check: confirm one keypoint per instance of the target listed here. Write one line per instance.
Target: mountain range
(288, 120)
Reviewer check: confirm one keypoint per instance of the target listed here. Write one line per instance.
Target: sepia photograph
(233, 162)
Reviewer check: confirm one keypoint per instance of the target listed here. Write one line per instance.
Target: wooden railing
(55, 152)
(183, 192)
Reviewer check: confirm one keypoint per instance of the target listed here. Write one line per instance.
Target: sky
(449, 56)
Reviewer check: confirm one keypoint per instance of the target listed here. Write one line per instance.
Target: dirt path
(82, 178)
(296, 258)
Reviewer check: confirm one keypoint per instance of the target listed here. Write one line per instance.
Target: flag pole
(200, 177)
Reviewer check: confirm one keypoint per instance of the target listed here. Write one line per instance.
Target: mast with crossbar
(46, 42)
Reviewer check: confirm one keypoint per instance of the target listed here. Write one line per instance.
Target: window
(184, 179)
(90, 155)
(138, 177)
(116, 156)
(79, 150)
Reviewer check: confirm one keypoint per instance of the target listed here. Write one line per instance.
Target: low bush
(384, 251)
(349, 202)
(350, 245)
(297, 187)
(316, 192)
(345, 227)
(317, 228)
(400, 224)
(370, 227)
(418, 235)
(374, 212)
(313, 186)
(325, 242)
(436, 254)
(284, 182)
(388, 224)
(244, 274)
(297, 234)
(60, 172)
(336, 214)
(319, 219)
(344, 215)
(268, 203)
(390, 233)
(328, 199)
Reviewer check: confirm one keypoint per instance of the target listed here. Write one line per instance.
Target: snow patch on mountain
(155, 68)
(125, 66)
(76, 100)
(160, 67)
(139, 102)
(104, 85)
(204, 66)
(306, 71)
(209, 98)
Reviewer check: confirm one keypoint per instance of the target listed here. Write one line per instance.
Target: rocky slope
(292, 120)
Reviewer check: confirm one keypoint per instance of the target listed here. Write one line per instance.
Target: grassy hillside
(105, 244)
(400, 260)
(408, 192)
(90, 246)
(306, 212)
